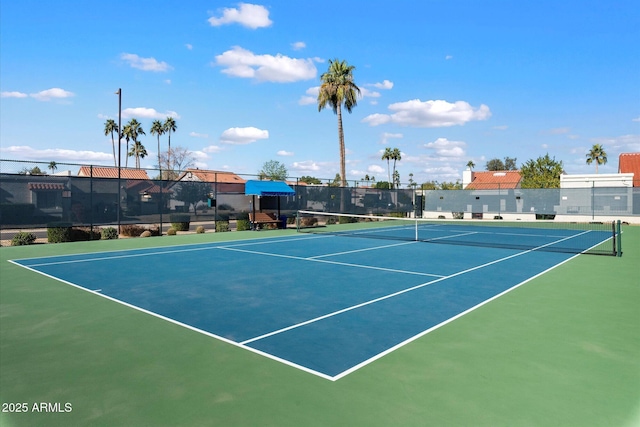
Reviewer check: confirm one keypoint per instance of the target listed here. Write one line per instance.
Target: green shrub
(222, 226)
(59, 232)
(225, 207)
(83, 234)
(347, 219)
(109, 233)
(243, 224)
(23, 238)
(331, 220)
(200, 229)
(180, 221)
(131, 230)
(171, 232)
(458, 215)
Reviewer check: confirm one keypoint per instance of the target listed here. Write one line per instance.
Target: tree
(192, 192)
(138, 151)
(544, 172)
(396, 179)
(131, 131)
(471, 165)
(597, 155)
(157, 129)
(337, 89)
(110, 127)
(169, 126)
(273, 170)
(496, 164)
(391, 154)
(175, 160)
(310, 180)
(53, 166)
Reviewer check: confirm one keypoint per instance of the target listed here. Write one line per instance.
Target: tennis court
(562, 349)
(327, 304)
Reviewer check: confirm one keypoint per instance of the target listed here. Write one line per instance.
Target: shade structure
(267, 188)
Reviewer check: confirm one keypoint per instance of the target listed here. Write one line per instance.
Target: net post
(619, 239)
(297, 221)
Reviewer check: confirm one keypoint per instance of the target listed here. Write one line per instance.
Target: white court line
(177, 322)
(361, 250)
(375, 300)
(346, 264)
(213, 245)
(284, 361)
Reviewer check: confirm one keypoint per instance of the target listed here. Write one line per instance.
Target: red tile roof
(112, 172)
(630, 163)
(45, 186)
(493, 180)
(214, 176)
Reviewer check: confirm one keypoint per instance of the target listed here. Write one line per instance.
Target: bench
(263, 218)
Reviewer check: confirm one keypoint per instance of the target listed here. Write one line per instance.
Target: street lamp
(119, 93)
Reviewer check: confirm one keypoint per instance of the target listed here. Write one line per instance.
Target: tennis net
(598, 238)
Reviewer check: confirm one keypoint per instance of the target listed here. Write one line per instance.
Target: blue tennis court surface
(326, 304)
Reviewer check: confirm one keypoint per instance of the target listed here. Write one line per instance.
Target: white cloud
(298, 45)
(417, 113)
(147, 113)
(448, 57)
(13, 95)
(248, 15)
(198, 135)
(53, 93)
(619, 144)
(376, 169)
(557, 131)
(311, 96)
(366, 93)
(212, 149)
(501, 127)
(145, 64)
(386, 84)
(59, 154)
(306, 166)
(285, 153)
(386, 136)
(637, 119)
(239, 62)
(445, 148)
(241, 136)
(189, 46)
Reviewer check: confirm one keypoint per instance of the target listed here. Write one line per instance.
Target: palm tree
(110, 127)
(391, 154)
(138, 151)
(396, 156)
(387, 155)
(337, 89)
(157, 129)
(53, 166)
(598, 155)
(169, 126)
(131, 131)
(471, 165)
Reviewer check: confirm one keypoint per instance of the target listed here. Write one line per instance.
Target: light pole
(119, 93)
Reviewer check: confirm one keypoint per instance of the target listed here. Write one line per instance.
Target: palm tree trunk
(159, 164)
(342, 149)
(169, 153)
(113, 148)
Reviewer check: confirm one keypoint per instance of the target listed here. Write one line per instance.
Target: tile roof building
(491, 180)
(630, 163)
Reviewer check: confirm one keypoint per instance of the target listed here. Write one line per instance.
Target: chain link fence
(35, 194)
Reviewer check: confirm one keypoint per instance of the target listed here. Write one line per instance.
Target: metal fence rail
(35, 194)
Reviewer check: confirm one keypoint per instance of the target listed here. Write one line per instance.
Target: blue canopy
(268, 188)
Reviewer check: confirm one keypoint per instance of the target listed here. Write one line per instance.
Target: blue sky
(444, 81)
